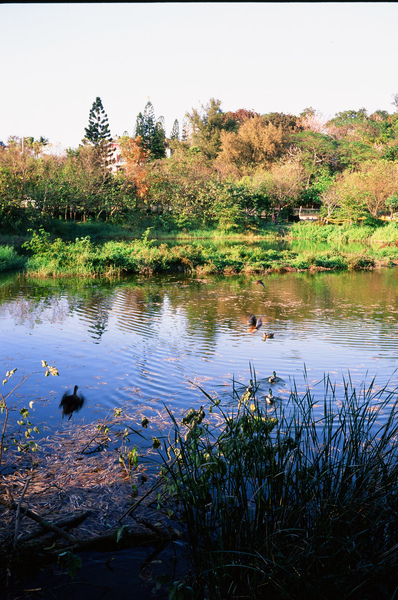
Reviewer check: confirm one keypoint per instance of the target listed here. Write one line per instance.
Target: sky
(56, 59)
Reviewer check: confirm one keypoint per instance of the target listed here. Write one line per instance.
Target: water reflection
(145, 342)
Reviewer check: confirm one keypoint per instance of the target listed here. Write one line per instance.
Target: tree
(284, 184)
(288, 123)
(151, 132)
(368, 190)
(316, 152)
(98, 126)
(241, 115)
(256, 144)
(135, 158)
(207, 125)
(98, 134)
(175, 132)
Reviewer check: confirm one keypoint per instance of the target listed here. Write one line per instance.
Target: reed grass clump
(9, 259)
(278, 503)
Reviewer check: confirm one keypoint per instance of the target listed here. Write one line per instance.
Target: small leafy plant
(25, 443)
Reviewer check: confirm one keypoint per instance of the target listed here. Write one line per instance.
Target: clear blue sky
(57, 58)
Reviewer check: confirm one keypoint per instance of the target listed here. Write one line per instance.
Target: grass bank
(44, 256)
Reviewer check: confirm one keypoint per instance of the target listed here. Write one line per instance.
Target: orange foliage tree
(135, 158)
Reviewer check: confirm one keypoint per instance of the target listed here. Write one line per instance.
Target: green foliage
(24, 439)
(207, 125)
(98, 134)
(70, 563)
(82, 257)
(98, 130)
(275, 506)
(151, 132)
(9, 259)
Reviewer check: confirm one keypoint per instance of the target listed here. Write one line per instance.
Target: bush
(9, 259)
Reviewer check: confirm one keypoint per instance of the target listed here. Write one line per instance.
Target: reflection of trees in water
(199, 305)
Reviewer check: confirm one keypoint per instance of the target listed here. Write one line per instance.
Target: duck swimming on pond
(269, 336)
(270, 398)
(71, 403)
(273, 378)
(247, 394)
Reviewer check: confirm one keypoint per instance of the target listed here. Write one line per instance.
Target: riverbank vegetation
(45, 256)
(280, 505)
(265, 500)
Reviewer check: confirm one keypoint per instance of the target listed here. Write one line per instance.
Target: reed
(280, 504)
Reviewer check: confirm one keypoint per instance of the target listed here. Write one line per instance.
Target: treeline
(228, 170)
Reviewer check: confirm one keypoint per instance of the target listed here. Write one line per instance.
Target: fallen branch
(72, 521)
(35, 517)
(18, 516)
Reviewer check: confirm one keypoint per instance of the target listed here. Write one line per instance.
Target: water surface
(149, 342)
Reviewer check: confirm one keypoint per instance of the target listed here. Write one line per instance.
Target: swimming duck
(270, 398)
(273, 378)
(71, 403)
(268, 336)
(247, 394)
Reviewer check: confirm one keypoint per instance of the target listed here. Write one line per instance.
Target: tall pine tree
(98, 134)
(175, 132)
(151, 132)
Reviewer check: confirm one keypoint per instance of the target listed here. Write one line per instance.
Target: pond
(144, 343)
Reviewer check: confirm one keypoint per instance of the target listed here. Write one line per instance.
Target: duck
(268, 336)
(247, 394)
(71, 403)
(259, 282)
(273, 378)
(270, 398)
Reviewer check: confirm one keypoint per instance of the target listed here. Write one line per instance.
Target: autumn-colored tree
(284, 184)
(240, 116)
(135, 158)
(367, 190)
(256, 144)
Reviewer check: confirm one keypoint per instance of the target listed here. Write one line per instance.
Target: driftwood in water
(144, 533)
(35, 517)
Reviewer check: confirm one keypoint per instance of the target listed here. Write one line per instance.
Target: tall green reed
(281, 503)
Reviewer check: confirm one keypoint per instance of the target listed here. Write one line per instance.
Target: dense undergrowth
(280, 504)
(48, 256)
